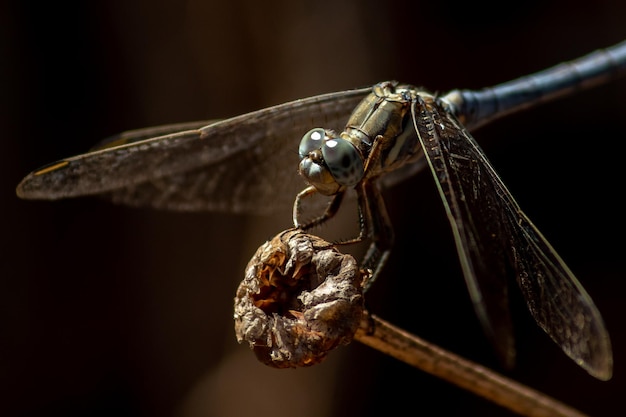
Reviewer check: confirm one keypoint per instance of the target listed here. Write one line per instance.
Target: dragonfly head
(328, 162)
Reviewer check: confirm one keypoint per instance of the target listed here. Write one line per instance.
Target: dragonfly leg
(330, 211)
(375, 223)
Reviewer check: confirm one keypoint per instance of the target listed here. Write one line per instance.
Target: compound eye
(311, 141)
(343, 161)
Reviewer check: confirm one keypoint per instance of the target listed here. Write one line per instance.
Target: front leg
(330, 211)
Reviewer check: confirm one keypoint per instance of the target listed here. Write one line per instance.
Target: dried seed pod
(300, 299)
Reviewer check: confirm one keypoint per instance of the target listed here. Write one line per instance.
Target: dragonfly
(367, 140)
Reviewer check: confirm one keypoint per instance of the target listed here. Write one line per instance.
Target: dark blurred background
(107, 310)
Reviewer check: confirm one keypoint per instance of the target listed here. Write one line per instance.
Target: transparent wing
(244, 164)
(495, 239)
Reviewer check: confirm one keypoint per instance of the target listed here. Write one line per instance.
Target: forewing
(246, 163)
(494, 239)
(137, 135)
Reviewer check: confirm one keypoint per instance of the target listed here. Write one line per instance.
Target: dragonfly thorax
(329, 162)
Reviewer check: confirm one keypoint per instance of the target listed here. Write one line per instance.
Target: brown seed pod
(300, 299)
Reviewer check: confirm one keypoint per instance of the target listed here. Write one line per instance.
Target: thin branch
(393, 341)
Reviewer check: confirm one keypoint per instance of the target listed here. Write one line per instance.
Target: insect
(388, 132)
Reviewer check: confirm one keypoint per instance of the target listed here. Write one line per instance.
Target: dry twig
(301, 298)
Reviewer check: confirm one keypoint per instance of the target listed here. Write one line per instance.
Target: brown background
(107, 310)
